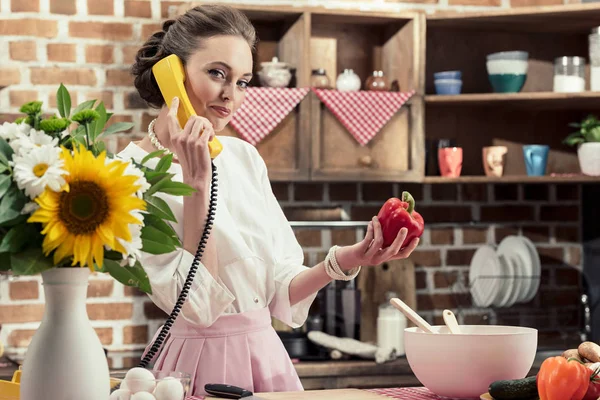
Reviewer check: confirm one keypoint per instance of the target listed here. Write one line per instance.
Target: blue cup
(536, 159)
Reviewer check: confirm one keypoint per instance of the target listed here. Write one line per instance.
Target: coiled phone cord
(190, 278)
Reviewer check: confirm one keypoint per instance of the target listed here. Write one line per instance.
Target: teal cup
(536, 159)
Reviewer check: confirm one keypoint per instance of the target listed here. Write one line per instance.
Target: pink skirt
(240, 349)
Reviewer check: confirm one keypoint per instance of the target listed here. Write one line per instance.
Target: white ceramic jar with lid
(390, 326)
(594, 52)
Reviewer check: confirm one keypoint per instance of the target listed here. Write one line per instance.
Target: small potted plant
(587, 140)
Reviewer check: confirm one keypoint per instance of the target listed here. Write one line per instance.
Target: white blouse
(257, 251)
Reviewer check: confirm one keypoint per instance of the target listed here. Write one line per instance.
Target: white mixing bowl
(464, 365)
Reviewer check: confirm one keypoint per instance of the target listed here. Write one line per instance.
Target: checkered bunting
(363, 112)
(263, 109)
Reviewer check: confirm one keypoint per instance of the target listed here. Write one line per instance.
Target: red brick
(164, 7)
(343, 237)
(101, 30)
(459, 256)
(504, 231)
(483, 3)
(506, 192)
(99, 54)
(9, 76)
(442, 301)
(105, 335)
(28, 27)
(574, 256)
(567, 191)
(474, 192)
(560, 298)
(475, 235)
(445, 214)
(426, 258)
(101, 7)
(566, 233)
(308, 237)
(313, 213)
(140, 9)
(442, 235)
(25, 5)
(67, 76)
(151, 311)
(342, 192)
(363, 213)
(105, 96)
(550, 255)
(421, 280)
(66, 7)
(119, 77)
(129, 53)
(20, 337)
(61, 52)
(559, 213)
(19, 97)
(135, 334)
(379, 192)
(123, 141)
(537, 233)
(147, 118)
(444, 192)
(25, 50)
(149, 29)
(16, 314)
(25, 290)
(445, 279)
(507, 213)
(535, 3)
(308, 192)
(110, 311)
(100, 288)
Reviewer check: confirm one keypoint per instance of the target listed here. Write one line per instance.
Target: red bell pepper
(396, 214)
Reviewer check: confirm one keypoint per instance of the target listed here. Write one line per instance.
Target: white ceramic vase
(65, 359)
(589, 158)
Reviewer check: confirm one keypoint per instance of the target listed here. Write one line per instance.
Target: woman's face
(217, 77)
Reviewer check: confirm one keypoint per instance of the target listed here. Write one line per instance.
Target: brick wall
(89, 44)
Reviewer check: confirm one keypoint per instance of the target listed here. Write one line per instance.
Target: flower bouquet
(69, 208)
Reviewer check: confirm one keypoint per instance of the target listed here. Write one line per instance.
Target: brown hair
(182, 36)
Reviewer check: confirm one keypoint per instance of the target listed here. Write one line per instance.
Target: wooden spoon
(451, 322)
(412, 315)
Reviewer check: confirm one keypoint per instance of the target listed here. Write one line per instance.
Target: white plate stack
(507, 275)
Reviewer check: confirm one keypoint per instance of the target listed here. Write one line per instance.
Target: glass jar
(594, 52)
(569, 74)
(377, 81)
(319, 79)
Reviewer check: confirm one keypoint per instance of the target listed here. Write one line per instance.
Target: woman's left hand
(368, 252)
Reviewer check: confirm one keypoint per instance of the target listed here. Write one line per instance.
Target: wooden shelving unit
(514, 179)
(536, 100)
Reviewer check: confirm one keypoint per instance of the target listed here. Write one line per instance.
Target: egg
(169, 389)
(140, 380)
(120, 394)
(143, 396)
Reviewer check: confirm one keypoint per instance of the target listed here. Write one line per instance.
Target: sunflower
(94, 210)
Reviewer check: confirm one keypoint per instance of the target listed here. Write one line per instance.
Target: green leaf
(63, 100)
(158, 207)
(155, 241)
(17, 238)
(100, 147)
(177, 189)
(154, 221)
(117, 127)
(20, 219)
(573, 139)
(97, 126)
(86, 105)
(129, 276)
(5, 262)
(3, 168)
(153, 177)
(154, 154)
(30, 262)
(164, 164)
(5, 182)
(6, 152)
(593, 135)
(11, 204)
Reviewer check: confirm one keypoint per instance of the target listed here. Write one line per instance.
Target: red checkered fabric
(263, 109)
(363, 112)
(405, 393)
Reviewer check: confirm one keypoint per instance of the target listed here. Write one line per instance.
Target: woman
(252, 268)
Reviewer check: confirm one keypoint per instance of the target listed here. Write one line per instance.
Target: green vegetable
(516, 389)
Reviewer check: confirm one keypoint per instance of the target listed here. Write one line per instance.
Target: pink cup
(450, 160)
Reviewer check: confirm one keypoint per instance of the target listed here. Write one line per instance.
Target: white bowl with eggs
(464, 365)
(145, 384)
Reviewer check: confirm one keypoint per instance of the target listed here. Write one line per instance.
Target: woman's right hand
(191, 146)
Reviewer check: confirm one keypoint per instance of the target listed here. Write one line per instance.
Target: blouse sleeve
(289, 259)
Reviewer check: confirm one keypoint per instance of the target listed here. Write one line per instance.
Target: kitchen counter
(317, 375)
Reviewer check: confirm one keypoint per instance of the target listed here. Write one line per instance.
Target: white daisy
(39, 168)
(24, 143)
(10, 131)
(134, 248)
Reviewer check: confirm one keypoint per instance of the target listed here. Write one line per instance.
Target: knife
(229, 391)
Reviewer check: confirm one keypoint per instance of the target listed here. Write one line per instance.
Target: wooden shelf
(566, 178)
(561, 18)
(523, 99)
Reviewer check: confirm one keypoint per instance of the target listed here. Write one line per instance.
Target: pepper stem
(407, 197)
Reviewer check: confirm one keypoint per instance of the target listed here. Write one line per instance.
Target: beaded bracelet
(332, 268)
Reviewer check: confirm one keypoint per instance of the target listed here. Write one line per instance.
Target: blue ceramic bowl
(447, 75)
(448, 86)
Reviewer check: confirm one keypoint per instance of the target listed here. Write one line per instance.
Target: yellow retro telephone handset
(170, 75)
